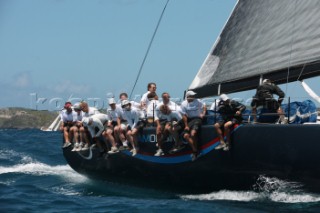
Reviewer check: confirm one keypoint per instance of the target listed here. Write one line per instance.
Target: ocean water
(34, 177)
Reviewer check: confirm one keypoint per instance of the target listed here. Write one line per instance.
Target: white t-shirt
(132, 117)
(192, 109)
(79, 116)
(114, 114)
(174, 115)
(95, 125)
(144, 98)
(151, 107)
(68, 117)
(102, 117)
(214, 105)
(91, 111)
(172, 105)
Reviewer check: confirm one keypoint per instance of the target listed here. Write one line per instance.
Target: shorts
(221, 122)
(140, 124)
(67, 125)
(113, 124)
(164, 123)
(124, 126)
(194, 124)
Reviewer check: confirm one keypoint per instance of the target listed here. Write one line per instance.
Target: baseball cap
(190, 93)
(224, 97)
(124, 102)
(112, 101)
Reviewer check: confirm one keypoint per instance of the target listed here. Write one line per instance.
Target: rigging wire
(298, 79)
(292, 33)
(149, 47)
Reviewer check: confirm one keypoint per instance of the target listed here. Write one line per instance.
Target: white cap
(266, 81)
(124, 102)
(76, 106)
(112, 101)
(190, 93)
(86, 121)
(224, 97)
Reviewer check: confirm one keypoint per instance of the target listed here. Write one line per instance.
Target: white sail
(310, 91)
(274, 39)
(54, 125)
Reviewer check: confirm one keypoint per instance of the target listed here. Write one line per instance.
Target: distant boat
(54, 126)
(278, 40)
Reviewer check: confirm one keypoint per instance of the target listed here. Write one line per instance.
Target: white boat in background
(54, 126)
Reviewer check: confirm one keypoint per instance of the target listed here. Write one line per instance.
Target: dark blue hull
(289, 152)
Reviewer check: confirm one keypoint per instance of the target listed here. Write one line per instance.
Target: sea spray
(266, 189)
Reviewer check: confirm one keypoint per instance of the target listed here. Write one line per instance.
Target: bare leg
(188, 138)
(174, 131)
(159, 133)
(227, 130)
(110, 138)
(66, 135)
(219, 132)
(135, 138)
(75, 133)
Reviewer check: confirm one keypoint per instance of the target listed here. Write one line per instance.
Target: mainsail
(275, 39)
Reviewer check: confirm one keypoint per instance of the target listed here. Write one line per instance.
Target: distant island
(22, 118)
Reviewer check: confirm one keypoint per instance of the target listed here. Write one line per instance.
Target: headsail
(263, 38)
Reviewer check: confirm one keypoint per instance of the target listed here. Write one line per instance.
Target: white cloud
(68, 87)
(22, 80)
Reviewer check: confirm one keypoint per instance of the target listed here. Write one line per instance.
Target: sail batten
(262, 38)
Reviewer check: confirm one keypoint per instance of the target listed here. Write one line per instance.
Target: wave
(266, 188)
(40, 169)
(28, 165)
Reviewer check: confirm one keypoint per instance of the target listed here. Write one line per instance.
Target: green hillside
(25, 118)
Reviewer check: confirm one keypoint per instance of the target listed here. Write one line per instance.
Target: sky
(55, 50)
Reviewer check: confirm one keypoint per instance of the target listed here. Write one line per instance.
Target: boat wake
(24, 164)
(265, 189)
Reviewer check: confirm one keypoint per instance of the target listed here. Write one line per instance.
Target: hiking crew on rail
(85, 126)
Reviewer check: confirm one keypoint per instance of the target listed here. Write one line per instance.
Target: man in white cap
(193, 111)
(230, 114)
(113, 113)
(121, 127)
(264, 97)
(214, 105)
(132, 116)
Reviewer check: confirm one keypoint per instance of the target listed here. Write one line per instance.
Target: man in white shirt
(151, 107)
(77, 128)
(133, 125)
(96, 126)
(165, 120)
(193, 112)
(121, 127)
(86, 112)
(166, 101)
(152, 87)
(68, 118)
(113, 113)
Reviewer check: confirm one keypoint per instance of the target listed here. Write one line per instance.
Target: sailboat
(277, 40)
(54, 126)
